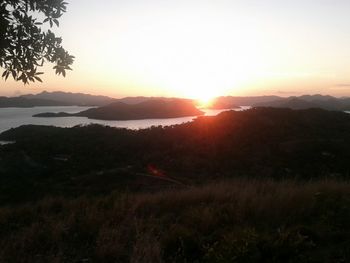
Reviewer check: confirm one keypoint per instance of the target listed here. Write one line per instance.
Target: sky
(200, 49)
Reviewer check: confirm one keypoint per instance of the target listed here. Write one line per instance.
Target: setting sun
(204, 102)
(194, 57)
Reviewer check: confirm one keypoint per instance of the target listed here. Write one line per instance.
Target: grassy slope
(233, 221)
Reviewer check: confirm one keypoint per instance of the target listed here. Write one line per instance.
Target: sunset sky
(201, 49)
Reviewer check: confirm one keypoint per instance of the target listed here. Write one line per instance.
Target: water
(15, 117)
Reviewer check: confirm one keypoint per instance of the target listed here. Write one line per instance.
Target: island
(153, 109)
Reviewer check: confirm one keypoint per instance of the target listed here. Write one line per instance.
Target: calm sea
(15, 117)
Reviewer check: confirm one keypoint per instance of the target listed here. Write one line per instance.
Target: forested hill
(261, 142)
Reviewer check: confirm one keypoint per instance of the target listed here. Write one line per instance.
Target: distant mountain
(60, 98)
(292, 103)
(309, 101)
(245, 101)
(76, 99)
(316, 97)
(149, 109)
(22, 102)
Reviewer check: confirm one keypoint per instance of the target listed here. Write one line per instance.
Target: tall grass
(231, 221)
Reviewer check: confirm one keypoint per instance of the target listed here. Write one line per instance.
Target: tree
(24, 44)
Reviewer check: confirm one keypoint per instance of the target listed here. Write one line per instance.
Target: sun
(203, 95)
(204, 101)
(192, 58)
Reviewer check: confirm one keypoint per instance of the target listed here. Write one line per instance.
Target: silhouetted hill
(22, 102)
(261, 142)
(309, 101)
(149, 109)
(76, 99)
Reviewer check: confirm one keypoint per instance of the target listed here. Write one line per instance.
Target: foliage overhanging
(24, 43)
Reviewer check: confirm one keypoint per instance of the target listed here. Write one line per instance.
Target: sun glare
(203, 97)
(204, 102)
(194, 57)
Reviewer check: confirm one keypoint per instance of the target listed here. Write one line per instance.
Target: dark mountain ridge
(23, 102)
(76, 99)
(309, 101)
(59, 98)
(245, 100)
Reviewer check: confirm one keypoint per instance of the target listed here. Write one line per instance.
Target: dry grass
(232, 221)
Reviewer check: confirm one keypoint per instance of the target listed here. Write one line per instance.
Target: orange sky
(201, 49)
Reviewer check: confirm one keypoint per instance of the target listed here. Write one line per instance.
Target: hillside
(262, 185)
(231, 221)
(262, 142)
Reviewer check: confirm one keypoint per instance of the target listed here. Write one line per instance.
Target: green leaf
(56, 22)
(38, 79)
(28, 45)
(7, 75)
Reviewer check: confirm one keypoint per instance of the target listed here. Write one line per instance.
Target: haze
(201, 49)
